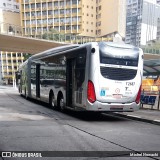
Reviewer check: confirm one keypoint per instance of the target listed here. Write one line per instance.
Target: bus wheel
(52, 101)
(25, 93)
(61, 104)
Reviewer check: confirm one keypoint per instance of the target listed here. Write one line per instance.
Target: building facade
(158, 29)
(110, 17)
(10, 24)
(10, 62)
(133, 22)
(150, 15)
(88, 18)
(141, 23)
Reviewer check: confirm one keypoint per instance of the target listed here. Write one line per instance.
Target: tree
(26, 56)
(54, 35)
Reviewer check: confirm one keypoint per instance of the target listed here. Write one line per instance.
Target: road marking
(157, 120)
(133, 116)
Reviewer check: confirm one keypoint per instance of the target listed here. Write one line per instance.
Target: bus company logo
(117, 90)
(6, 154)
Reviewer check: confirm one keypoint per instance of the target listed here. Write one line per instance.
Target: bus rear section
(115, 76)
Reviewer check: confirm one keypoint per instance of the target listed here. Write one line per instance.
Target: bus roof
(61, 49)
(117, 45)
(54, 51)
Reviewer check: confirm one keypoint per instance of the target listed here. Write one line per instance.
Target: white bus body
(102, 76)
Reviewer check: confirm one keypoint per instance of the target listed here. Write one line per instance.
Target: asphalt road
(28, 126)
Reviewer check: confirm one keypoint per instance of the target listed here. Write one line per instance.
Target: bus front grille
(118, 73)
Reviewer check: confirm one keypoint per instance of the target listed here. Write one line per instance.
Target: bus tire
(61, 104)
(52, 101)
(25, 94)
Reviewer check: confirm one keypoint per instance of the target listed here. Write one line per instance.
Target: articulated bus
(96, 76)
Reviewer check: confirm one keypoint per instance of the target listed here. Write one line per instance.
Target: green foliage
(154, 48)
(26, 56)
(54, 35)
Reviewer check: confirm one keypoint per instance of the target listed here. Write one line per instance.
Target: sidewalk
(145, 114)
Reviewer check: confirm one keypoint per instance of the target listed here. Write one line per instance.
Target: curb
(137, 118)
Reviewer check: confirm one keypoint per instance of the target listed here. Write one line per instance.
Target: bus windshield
(118, 56)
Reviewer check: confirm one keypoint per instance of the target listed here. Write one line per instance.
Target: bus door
(69, 82)
(38, 80)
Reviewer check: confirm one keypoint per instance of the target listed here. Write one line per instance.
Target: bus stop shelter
(151, 68)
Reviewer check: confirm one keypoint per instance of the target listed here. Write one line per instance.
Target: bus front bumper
(112, 107)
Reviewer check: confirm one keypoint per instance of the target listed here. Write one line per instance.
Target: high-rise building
(110, 17)
(141, 21)
(133, 22)
(88, 18)
(158, 29)
(9, 22)
(10, 62)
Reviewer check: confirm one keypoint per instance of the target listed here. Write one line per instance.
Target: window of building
(49, 4)
(19, 55)
(50, 12)
(91, 15)
(74, 2)
(74, 10)
(27, 6)
(62, 4)
(10, 73)
(87, 30)
(99, 8)
(87, 14)
(43, 5)
(56, 20)
(38, 5)
(87, 6)
(62, 11)
(55, 12)
(9, 67)
(33, 5)
(68, 2)
(68, 11)
(74, 19)
(55, 4)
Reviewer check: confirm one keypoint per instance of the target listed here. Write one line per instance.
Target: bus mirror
(93, 50)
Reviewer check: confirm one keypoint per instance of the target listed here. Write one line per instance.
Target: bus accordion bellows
(96, 76)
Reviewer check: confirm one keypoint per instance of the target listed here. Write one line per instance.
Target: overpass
(15, 43)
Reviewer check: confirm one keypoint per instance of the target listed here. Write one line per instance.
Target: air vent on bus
(118, 73)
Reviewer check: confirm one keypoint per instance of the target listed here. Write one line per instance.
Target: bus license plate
(117, 95)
